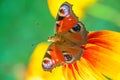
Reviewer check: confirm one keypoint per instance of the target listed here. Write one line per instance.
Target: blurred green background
(25, 23)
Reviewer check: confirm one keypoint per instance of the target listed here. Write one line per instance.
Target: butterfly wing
(65, 19)
(53, 57)
(70, 35)
(70, 31)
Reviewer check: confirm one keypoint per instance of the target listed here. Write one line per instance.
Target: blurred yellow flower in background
(78, 8)
(100, 60)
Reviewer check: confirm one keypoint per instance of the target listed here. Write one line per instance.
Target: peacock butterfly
(70, 35)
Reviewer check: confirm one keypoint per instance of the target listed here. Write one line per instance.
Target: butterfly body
(70, 35)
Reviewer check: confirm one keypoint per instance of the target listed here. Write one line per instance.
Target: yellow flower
(101, 57)
(78, 8)
(99, 60)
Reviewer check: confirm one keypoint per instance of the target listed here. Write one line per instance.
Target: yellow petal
(78, 6)
(103, 52)
(81, 70)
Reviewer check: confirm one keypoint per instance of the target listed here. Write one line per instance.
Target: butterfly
(70, 36)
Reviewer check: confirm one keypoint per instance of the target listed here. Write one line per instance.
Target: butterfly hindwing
(52, 58)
